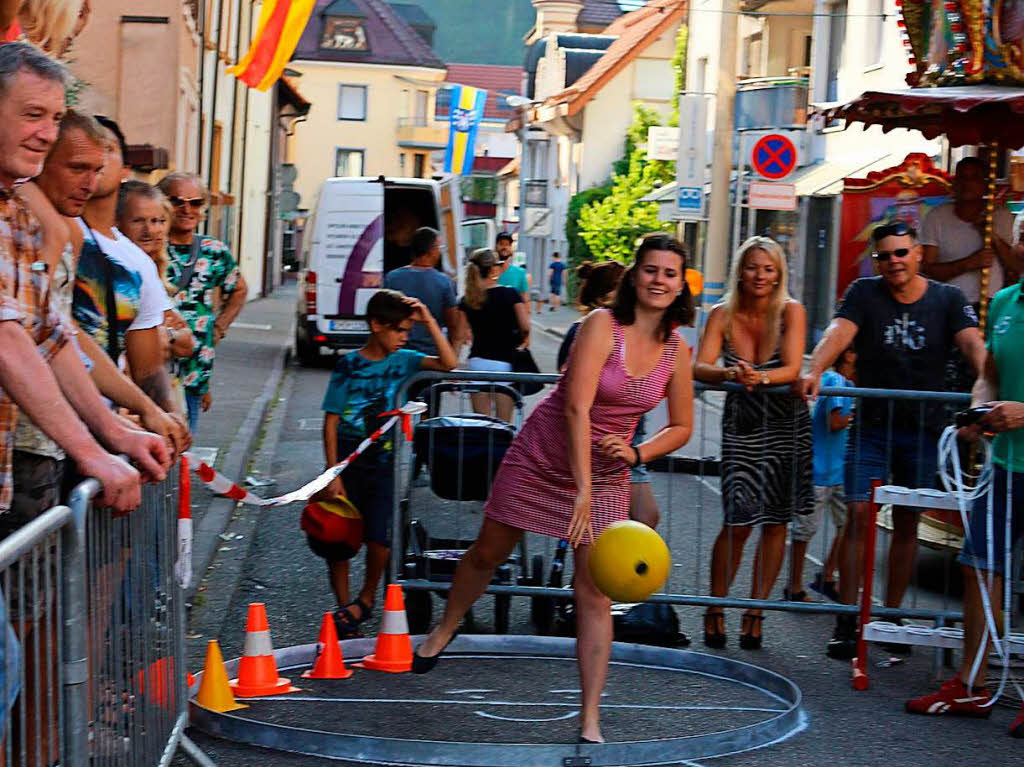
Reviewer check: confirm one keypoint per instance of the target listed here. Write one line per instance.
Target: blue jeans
(906, 458)
(10, 666)
(194, 404)
(975, 550)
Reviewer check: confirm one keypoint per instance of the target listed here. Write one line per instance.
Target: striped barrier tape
(221, 485)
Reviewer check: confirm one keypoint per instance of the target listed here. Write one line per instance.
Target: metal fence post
(73, 594)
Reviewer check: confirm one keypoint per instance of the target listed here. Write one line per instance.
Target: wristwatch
(730, 374)
(764, 378)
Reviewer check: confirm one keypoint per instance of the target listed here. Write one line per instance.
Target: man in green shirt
(513, 276)
(1001, 388)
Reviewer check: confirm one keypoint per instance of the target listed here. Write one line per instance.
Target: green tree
(611, 225)
(605, 222)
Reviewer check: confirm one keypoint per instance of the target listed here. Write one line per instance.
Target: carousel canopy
(969, 114)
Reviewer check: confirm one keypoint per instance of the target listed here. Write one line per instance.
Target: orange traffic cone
(214, 692)
(329, 663)
(393, 652)
(257, 670)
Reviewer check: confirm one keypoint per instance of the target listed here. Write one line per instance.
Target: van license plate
(346, 326)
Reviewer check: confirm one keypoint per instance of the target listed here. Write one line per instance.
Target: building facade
(374, 79)
(159, 67)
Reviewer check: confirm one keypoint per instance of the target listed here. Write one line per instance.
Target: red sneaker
(953, 698)
(1017, 728)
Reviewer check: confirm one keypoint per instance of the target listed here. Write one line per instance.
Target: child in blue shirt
(364, 384)
(829, 423)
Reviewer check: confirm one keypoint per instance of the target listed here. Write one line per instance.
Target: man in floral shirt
(199, 265)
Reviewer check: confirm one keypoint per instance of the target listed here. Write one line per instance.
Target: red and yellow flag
(280, 26)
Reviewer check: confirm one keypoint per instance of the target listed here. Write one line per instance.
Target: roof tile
(496, 80)
(635, 31)
(391, 40)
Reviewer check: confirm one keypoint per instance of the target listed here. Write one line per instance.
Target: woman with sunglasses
(199, 267)
(758, 333)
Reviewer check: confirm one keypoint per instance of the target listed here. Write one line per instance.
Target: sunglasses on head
(192, 202)
(885, 255)
(895, 229)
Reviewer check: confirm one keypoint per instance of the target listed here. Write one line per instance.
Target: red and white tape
(221, 485)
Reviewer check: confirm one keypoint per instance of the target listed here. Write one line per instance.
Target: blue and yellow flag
(467, 109)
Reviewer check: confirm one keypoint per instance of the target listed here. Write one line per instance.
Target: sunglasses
(895, 229)
(192, 202)
(885, 255)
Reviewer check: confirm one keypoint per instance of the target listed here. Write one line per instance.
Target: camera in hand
(971, 416)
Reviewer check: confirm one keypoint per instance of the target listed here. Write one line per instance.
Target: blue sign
(691, 198)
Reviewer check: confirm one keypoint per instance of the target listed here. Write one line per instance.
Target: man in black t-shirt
(903, 327)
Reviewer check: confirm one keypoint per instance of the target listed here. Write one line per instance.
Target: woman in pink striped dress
(567, 472)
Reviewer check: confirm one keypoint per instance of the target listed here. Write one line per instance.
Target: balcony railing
(771, 102)
(417, 132)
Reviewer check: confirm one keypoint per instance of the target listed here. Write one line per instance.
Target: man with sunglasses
(200, 267)
(903, 327)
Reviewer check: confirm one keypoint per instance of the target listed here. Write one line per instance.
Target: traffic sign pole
(737, 212)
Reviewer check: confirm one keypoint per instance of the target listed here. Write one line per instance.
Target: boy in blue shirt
(831, 417)
(364, 385)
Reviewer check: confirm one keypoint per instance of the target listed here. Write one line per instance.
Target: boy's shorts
(369, 485)
(826, 497)
(535, 294)
(905, 458)
(975, 550)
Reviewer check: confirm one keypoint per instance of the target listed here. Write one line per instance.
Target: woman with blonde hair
(758, 331)
(497, 321)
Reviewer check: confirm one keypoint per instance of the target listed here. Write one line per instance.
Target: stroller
(462, 454)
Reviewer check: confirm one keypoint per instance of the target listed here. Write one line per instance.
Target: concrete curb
(205, 539)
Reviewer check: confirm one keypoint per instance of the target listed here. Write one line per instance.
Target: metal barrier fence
(430, 530)
(92, 624)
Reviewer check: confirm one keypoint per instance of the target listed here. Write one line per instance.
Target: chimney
(555, 16)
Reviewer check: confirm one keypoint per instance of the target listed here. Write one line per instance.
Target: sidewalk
(246, 376)
(556, 322)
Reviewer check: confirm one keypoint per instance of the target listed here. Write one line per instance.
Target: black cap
(503, 236)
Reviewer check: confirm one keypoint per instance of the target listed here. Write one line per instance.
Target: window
(752, 47)
(836, 44)
(875, 33)
(348, 162)
(419, 164)
(420, 107)
(351, 102)
(700, 83)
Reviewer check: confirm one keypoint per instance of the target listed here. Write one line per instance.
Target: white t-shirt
(153, 298)
(958, 239)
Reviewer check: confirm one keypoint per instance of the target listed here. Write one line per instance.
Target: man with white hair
(40, 372)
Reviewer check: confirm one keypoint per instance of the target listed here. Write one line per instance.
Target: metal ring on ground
(787, 721)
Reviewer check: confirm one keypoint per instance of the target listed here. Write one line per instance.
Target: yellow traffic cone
(214, 691)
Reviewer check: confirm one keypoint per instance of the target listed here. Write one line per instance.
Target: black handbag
(523, 362)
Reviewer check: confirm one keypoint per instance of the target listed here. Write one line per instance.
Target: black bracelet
(636, 452)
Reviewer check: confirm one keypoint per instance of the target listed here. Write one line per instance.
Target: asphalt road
(271, 563)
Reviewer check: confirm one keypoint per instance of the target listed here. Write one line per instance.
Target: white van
(347, 251)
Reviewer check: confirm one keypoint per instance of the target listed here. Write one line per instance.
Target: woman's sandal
(713, 636)
(347, 624)
(747, 639)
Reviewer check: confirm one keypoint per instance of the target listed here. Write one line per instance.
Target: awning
(965, 115)
(825, 179)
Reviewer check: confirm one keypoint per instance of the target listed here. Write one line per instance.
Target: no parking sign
(773, 157)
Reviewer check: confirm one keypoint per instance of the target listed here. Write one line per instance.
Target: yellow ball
(629, 562)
